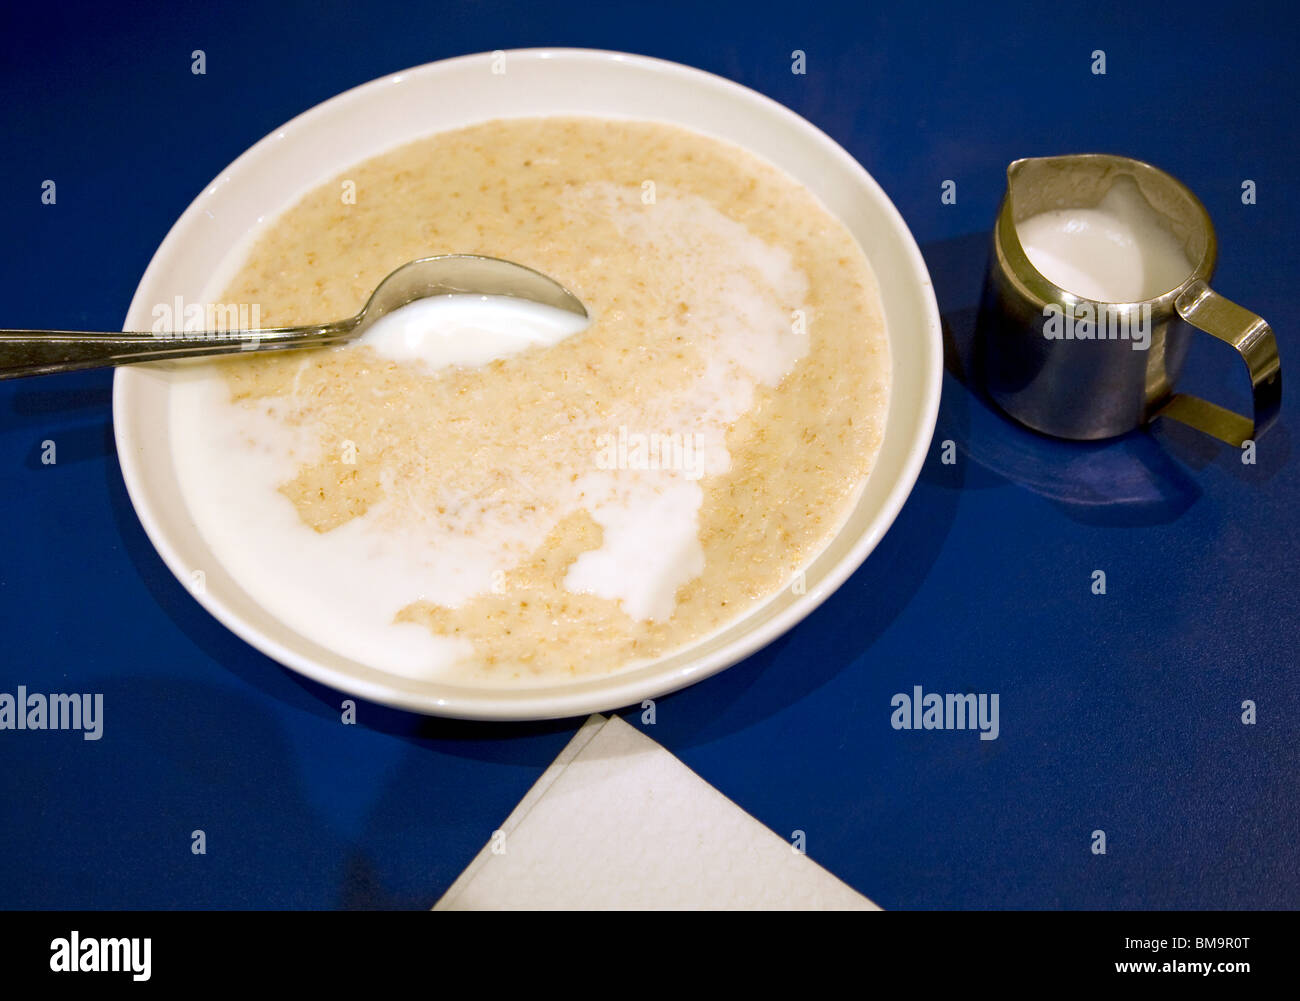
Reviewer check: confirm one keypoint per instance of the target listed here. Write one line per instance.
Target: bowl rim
(618, 690)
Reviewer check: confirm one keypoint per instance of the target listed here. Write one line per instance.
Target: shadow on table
(72, 411)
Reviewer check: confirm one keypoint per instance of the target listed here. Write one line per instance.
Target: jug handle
(1253, 339)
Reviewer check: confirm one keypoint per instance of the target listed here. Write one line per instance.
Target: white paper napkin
(617, 822)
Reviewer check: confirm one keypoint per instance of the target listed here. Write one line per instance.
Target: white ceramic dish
(382, 114)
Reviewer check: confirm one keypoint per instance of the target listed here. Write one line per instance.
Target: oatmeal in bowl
(600, 513)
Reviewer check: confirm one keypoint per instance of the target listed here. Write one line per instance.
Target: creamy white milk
(1116, 252)
(467, 329)
(343, 587)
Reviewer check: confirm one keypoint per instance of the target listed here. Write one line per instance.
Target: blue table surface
(1120, 712)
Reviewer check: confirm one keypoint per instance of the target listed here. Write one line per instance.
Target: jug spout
(1038, 183)
(1016, 170)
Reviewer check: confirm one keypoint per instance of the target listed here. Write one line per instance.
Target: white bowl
(384, 113)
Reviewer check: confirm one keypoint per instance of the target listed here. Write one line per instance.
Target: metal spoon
(42, 352)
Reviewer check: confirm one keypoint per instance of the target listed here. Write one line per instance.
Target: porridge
(534, 501)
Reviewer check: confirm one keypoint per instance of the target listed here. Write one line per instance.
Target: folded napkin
(617, 822)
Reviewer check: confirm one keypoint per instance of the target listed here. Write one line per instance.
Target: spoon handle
(43, 352)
